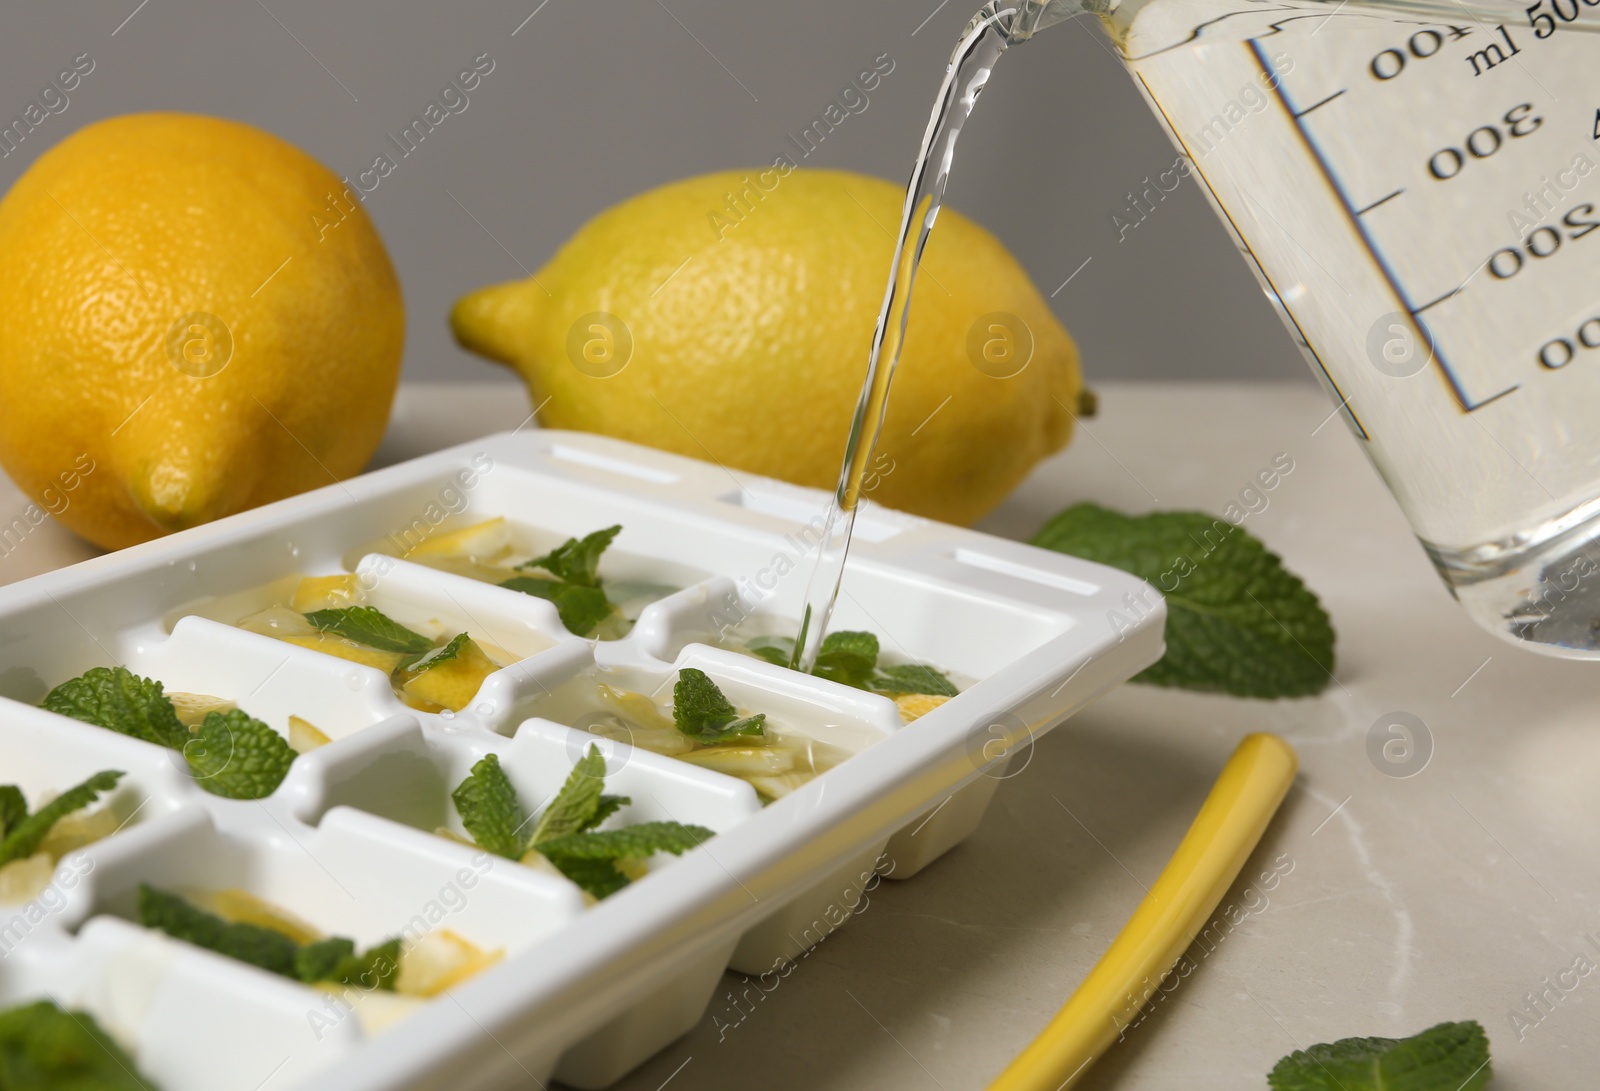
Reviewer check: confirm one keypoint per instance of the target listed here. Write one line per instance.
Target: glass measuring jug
(1415, 186)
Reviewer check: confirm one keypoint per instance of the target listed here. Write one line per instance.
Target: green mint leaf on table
(1238, 622)
(582, 609)
(913, 678)
(639, 840)
(487, 804)
(1448, 1057)
(236, 756)
(117, 699)
(368, 625)
(577, 560)
(702, 712)
(43, 1048)
(575, 806)
(23, 836)
(428, 660)
(249, 943)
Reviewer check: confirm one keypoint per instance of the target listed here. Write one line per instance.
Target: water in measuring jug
(1417, 187)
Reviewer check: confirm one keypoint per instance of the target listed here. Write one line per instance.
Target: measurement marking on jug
(1380, 201)
(1319, 105)
(1275, 81)
(1261, 270)
(1451, 294)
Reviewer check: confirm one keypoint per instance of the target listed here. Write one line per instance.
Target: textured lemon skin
(750, 332)
(106, 243)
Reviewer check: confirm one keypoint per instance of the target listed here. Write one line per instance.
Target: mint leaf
(847, 657)
(439, 655)
(370, 626)
(913, 678)
(704, 714)
(378, 968)
(597, 878)
(249, 943)
(577, 560)
(43, 1048)
(119, 700)
(13, 808)
(333, 959)
(588, 859)
(608, 806)
(236, 756)
(1237, 621)
(581, 608)
(748, 725)
(777, 650)
(1448, 1057)
(231, 754)
(318, 961)
(22, 838)
(640, 840)
(850, 657)
(487, 804)
(575, 806)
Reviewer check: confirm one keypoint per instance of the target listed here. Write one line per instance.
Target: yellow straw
(1223, 835)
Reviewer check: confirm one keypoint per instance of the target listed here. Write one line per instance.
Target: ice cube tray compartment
(584, 993)
(45, 755)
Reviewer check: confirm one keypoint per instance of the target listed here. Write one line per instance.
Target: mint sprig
(565, 833)
(43, 1047)
(913, 678)
(1238, 622)
(1448, 1057)
(577, 560)
(249, 943)
(850, 657)
(582, 609)
(231, 754)
(370, 626)
(701, 712)
(575, 589)
(22, 833)
(333, 959)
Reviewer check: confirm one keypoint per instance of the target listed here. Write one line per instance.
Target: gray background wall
(590, 103)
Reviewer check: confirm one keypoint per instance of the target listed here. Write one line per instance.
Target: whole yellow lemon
(195, 318)
(728, 317)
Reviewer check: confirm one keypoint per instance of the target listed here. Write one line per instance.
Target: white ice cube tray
(347, 842)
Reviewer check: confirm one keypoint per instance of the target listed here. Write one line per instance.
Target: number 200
(1542, 242)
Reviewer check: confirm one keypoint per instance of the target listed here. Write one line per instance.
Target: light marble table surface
(1392, 904)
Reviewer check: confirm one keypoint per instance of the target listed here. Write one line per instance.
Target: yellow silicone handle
(1223, 835)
